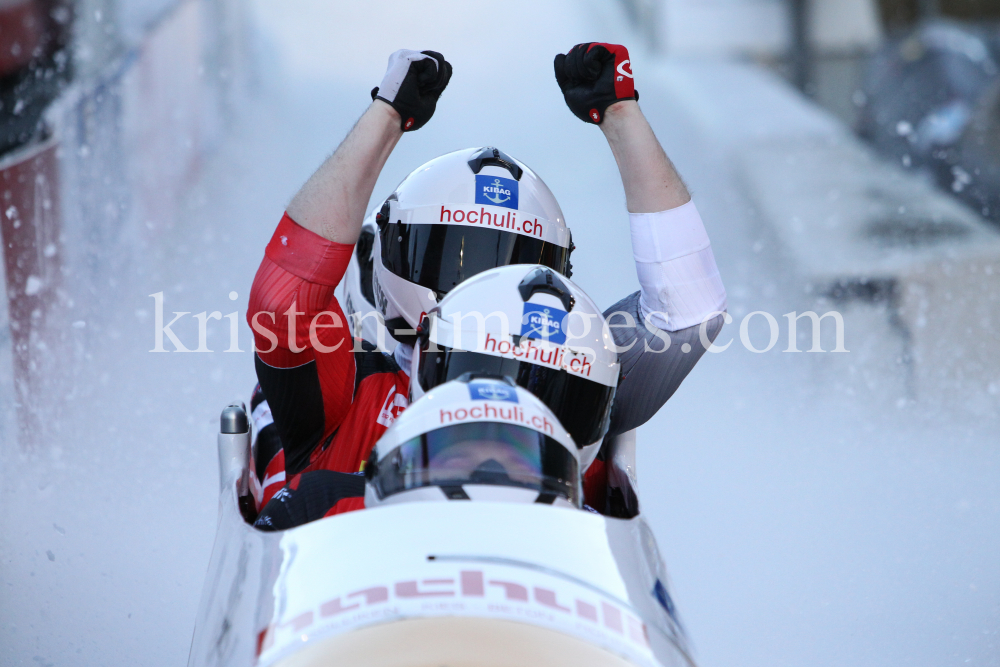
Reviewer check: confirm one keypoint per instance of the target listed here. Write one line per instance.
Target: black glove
(592, 77)
(412, 84)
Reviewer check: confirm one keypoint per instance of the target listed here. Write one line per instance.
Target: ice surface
(810, 510)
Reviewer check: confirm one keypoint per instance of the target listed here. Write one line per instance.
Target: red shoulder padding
(292, 292)
(307, 254)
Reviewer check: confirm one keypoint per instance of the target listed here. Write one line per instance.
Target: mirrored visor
(439, 257)
(582, 406)
(488, 453)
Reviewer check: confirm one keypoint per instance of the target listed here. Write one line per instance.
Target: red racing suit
(331, 397)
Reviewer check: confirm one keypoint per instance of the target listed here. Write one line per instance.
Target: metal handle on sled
(234, 448)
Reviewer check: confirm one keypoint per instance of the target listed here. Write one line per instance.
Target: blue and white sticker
(492, 391)
(496, 191)
(544, 322)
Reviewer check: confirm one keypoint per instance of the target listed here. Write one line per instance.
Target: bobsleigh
(427, 584)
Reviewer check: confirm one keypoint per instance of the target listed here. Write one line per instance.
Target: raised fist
(413, 82)
(592, 77)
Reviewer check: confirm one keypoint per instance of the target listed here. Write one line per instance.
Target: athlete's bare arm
(651, 182)
(332, 202)
(680, 288)
(597, 83)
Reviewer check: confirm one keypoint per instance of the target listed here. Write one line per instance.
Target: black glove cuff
(406, 122)
(595, 115)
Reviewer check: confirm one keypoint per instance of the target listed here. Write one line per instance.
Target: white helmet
(536, 327)
(476, 438)
(358, 299)
(454, 217)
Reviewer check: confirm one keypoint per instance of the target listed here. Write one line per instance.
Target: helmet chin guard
(396, 297)
(478, 492)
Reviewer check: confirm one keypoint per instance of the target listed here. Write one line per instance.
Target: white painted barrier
(853, 226)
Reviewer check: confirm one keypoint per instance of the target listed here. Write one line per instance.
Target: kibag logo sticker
(496, 191)
(490, 391)
(544, 322)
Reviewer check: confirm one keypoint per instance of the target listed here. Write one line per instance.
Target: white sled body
(428, 584)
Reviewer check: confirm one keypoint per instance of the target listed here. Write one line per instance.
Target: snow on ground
(806, 520)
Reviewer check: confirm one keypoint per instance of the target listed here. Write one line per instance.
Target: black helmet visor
(439, 257)
(492, 453)
(582, 406)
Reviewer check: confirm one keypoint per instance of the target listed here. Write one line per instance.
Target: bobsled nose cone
(455, 642)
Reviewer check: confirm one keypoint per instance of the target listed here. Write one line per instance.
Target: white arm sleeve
(680, 282)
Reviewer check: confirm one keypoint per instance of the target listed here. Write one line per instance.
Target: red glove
(592, 77)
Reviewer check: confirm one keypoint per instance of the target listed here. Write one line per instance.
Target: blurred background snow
(813, 508)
